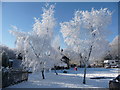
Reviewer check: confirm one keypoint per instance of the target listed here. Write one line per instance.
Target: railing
(13, 77)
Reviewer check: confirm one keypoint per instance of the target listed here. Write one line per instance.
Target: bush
(65, 72)
(4, 59)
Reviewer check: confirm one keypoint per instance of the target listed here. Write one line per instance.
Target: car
(107, 66)
(115, 66)
(115, 83)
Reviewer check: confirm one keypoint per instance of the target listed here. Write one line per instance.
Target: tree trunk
(84, 79)
(80, 60)
(80, 64)
(43, 76)
(68, 66)
(55, 70)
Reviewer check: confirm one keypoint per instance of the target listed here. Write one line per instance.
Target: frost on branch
(20, 37)
(46, 25)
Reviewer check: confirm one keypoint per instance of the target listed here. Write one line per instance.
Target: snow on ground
(70, 79)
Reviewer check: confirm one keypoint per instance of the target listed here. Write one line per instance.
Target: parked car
(116, 66)
(115, 83)
(107, 66)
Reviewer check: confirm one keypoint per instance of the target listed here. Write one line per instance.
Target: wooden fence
(14, 76)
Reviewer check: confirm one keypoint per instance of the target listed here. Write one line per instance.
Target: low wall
(13, 77)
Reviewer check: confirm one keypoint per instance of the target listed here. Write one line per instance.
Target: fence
(13, 77)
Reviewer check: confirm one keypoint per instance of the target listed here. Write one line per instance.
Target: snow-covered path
(70, 79)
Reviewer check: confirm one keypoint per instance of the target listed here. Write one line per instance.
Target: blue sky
(21, 15)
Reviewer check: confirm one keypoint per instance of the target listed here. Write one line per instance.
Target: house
(15, 63)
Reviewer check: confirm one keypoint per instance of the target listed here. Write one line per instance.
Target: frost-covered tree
(36, 45)
(56, 54)
(9, 51)
(114, 48)
(86, 34)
